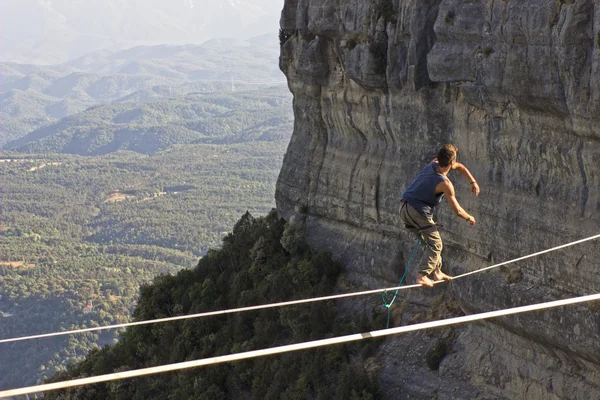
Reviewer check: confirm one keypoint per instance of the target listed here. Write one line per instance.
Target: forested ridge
(262, 260)
(35, 96)
(148, 127)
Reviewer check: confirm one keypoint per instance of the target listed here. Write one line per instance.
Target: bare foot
(425, 281)
(440, 276)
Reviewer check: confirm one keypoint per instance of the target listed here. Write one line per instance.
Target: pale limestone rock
(515, 85)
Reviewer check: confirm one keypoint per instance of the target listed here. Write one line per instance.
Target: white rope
(281, 304)
(529, 256)
(206, 314)
(293, 347)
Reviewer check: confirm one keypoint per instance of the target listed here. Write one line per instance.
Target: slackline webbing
(293, 347)
(285, 303)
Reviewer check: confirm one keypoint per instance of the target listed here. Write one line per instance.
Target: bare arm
(448, 189)
(464, 171)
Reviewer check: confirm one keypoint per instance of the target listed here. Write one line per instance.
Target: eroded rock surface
(378, 86)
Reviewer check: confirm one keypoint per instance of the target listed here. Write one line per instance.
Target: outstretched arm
(464, 171)
(448, 190)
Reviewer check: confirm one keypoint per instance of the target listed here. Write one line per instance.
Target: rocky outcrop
(378, 86)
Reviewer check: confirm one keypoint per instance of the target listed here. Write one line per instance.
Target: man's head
(447, 155)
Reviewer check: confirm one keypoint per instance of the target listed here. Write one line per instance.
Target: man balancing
(419, 200)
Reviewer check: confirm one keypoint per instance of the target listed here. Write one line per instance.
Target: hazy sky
(53, 31)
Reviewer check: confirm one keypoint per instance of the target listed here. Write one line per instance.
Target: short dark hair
(446, 155)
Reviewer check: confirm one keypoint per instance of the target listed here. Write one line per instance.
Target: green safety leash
(384, 294)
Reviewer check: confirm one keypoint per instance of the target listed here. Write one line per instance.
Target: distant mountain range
(33, 97)
(54, 31)
(235, 117)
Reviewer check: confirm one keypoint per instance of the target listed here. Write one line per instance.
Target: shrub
(514, 275)
(385, 9)
(487, 51)
(293, 236)
(437, 353)
(594, 306)
(449, 19)
(351, 44)
(379, 52)
(283, 36)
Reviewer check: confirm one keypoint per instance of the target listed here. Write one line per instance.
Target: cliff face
(378, 87)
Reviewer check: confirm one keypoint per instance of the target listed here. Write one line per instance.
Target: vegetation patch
(379, 52)
(449, 18)
(514, 275)
(262, 260)
(594, 306)
(385, 10)
(444, 306)
(487, 51)
(283, 36)
(552, 23)
(434, 356)
(179, 188)
(351, 44)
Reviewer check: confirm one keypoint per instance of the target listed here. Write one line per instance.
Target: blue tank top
(421, 192)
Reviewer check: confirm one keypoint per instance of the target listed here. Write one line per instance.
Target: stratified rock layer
(378, 87)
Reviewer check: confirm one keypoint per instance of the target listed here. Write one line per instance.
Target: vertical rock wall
(379, 86)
